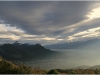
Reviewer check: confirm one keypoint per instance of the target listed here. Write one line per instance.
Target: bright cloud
(49, 22)
(12, 37)
(94, 32)
(95, 13)
(16, 34)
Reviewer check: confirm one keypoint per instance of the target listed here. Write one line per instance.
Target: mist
(69, 58)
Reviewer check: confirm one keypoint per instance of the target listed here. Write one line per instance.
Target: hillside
(18, 51)
(7, 67)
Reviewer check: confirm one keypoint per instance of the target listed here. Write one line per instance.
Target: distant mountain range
(82, 67)
(71, 45)
(18, 51)
(87, 67)
(96, 67)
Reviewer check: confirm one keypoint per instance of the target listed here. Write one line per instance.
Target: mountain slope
(19, 51)
(7, 67)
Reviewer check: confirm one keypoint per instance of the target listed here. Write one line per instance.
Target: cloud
(43, 17)
(11, 34)
(83, 35)
(45, 21)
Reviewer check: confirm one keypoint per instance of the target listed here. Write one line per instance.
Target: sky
(49, 22)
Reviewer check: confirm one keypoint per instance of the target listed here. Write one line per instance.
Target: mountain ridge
(18, 51)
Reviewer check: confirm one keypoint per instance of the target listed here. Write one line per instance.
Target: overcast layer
(48, 22)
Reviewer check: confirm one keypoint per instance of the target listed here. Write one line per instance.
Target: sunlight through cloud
(90, 33)
(95, 13)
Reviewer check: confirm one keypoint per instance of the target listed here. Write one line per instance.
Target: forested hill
(7, 67)
(18, 51)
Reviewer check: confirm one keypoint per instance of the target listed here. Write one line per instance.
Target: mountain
(18, 51)
(87, 67)
(95, 67)
(81, 67)
(72, 45)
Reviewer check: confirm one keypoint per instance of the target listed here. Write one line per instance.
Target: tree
(54, 71)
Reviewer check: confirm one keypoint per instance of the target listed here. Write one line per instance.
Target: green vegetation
(54, 71)
(6, 67)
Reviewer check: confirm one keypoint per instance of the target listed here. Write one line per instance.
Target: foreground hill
(17, 51)
(7, 67)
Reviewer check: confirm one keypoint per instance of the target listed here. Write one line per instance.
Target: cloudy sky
(49, 22)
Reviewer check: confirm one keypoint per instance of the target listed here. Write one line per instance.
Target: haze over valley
(51, 34)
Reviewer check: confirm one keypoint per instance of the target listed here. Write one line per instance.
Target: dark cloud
(43, 17)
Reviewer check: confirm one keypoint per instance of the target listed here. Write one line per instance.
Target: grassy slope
(7, 67)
